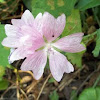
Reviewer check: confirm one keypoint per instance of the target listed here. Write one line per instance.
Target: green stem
(96, 82)
(88, 38)
(96, 17)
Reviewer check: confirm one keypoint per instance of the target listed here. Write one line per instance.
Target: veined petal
(26, 30)
(70, 43)
(38, 43)
(28, 18)
(38, 22)
(60, 24)
(36, 63)
(11, 30)
(52, 28)
(17, 22)
(35, 38)
(11, 42)
(59, 64)
(20, 53)
(11, 51)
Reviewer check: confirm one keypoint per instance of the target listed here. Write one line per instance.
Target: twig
(6, 91)
(24, 94)
(29, 72)
(18, 88)
(96, 82)
(17, 83)
(11, 17)
(69, 80)
(17, 79)
(43, 86)
(83, 83)
(31, 87)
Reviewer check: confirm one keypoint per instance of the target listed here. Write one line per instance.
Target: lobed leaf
(55, 7)
(75, 58)
(73, 23)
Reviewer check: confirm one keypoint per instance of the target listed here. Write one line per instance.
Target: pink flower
(27, 35)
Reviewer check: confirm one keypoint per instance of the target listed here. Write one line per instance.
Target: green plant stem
(96, 82)
(88, 38)
(96, 17)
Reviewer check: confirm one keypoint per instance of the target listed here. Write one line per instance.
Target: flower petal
(17, 22)
(35, 38)
(11, 30)
(52, 28)
(11, 42)
(36, 63)
(11, 51)
(60, 24)
(20, 53)
(38, 22)
(28, 18)
(59, 64)
(70, 43)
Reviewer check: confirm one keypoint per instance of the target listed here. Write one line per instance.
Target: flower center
(49, 48)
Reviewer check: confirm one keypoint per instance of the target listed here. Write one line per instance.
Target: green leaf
(73, 95)
(54, 96)
(51, 80)
(90, 37)
(28, 4)
(98, 93)
(55, 7)
(90, 94)
(97, 47)
(2, 72)
(4, 52)
(4, 84)
(73, 23)
(75, 58)
(86, 4)
(2, 1)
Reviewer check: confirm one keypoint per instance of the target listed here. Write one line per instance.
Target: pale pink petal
(52, 28)
(27, 18)
(38, 22)
(11, 51)
(11, 30)
(35, 38)
(17, 22)
(60, 24)
(26, 30)
(70, 43)
(38, 43)
(20, 53)
(36, 63)
(59, 64)
(11, 42)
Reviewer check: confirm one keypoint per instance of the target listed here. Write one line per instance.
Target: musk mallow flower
(33, 38)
